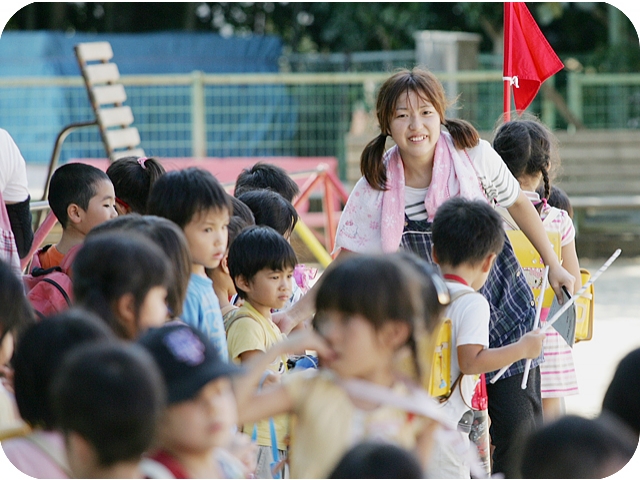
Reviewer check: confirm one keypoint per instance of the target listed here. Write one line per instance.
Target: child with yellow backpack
(526, 146)
(467, 237)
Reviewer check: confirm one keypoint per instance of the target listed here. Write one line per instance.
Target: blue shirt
(202, 310)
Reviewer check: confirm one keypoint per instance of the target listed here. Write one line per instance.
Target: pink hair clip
(141, 161)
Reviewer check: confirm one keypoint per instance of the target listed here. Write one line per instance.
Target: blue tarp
(266, 130)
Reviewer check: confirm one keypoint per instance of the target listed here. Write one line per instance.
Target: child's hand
(559, 277)
(307, 339)
(531, 344)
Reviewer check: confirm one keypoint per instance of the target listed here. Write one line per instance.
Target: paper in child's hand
(566, 324)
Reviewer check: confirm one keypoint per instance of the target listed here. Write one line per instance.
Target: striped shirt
(414, 205)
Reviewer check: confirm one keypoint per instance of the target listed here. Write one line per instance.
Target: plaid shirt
(510, 299)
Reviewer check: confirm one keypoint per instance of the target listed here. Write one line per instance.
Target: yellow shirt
(248, 330)
(328, 424)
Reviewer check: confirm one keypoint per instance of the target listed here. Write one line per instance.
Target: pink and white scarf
(373, 220)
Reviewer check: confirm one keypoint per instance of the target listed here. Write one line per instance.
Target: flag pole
(506, 62)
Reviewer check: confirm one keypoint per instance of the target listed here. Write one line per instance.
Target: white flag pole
(568, 304)
(543, 287)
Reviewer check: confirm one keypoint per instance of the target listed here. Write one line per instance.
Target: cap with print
(187, 359)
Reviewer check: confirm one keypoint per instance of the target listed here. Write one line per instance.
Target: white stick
(536, 324)
(564, 308)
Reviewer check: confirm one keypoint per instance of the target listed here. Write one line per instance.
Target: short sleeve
(13, 170)
(298, 385)
(245, 335)
(473, 328)
(497, 181)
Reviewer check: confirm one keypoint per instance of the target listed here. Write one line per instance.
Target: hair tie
(141, 161)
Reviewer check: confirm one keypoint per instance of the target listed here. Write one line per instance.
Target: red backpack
(50, 291)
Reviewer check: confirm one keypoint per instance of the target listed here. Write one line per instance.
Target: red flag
(528, 58)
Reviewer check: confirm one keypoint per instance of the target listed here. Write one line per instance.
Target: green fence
(214, 115)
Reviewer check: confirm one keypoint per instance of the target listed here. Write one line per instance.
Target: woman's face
(415, 127)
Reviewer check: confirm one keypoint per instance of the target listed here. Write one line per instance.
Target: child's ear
(125, 310)
(224, 264)
(488, 262)
(241, 282)
(74, 212)
(395, 334)
(434, 255)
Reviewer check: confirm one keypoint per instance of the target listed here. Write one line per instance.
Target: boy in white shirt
(467, 237)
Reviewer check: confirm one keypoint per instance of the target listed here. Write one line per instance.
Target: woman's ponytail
(463, 133)
(371, 164)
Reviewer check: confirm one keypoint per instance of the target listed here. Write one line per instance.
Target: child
(171, 240)
(132, 179)
(576, 447)
(367, 307)
(265, 176)
(378, 460)
(261, 263)
(622, 398)
(557, 198)
(38, 356)
(194, 200)
(526, 147)
(16, 314)
(81, 197)
(123, 278)
(201, 410)
(107, 401)
(222, 282)
(271, 209)
(467, 238)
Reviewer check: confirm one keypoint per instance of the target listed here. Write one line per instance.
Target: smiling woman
(393, 205)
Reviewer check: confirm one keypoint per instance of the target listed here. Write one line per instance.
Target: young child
(222, 282)
(527, 147)
(132, 179)
(367, 307)
(81, 197)
(16, 314)
(107, 400)
(201, 410)
(194, 200)
(271, 209)
(265, 176)
(171, 240)
(261, 263)
(378, 460)
(467, 238)
(39, 353)
(129, 290)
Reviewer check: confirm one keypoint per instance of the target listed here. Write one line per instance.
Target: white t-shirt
(498, 182)
(13, 170)
(414, 205)
(469, 316)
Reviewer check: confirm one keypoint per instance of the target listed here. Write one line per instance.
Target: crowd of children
(181, 346)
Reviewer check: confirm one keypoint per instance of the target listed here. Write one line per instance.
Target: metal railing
(297, 114)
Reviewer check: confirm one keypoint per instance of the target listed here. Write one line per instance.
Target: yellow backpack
(584, 310)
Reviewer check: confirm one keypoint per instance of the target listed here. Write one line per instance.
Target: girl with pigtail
(132, 179)
(393, 205)
(526, 146)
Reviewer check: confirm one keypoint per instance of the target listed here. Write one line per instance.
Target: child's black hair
(378, 460)
(132, 179)
(266, 176)
(256, 248)
(466, 231)
(16, 312)
(112, 395)
(380, 288)
(73, 183)
(271, 209)
(577, 447)
(113, 264)
(180, 195)
(526, 147)
(241, 210)
(558, 198)
(622, 397)
(40, 352)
